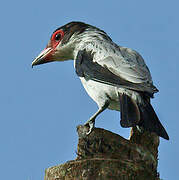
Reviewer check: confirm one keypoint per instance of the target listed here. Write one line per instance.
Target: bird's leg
(91, 121)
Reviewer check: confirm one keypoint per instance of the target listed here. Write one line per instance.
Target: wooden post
(104, 155)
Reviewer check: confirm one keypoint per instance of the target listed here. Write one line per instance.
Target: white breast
(100, 92)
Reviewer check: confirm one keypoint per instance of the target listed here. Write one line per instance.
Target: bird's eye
(58, 37)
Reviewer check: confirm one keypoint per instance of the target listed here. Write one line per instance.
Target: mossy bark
(103, 155)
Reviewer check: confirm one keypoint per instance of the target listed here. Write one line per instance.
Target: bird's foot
(90, 124)
(140, 129)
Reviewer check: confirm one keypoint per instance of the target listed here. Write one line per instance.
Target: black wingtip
(165, 135)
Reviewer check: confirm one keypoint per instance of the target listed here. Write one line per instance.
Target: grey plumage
(115, 77)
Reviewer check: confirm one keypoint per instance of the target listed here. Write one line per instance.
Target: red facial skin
(48, 54)
(54, 41)
(53, 44)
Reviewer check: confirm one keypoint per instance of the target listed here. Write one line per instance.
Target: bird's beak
(43, 57)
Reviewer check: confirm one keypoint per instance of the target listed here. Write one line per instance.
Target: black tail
(130, 114)
(143, 115)
(150, 121)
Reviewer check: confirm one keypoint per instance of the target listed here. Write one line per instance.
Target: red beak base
(43, 57)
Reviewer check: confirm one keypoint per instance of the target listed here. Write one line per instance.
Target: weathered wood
(103, 155)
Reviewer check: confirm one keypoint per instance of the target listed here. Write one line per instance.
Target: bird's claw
(90, 124)
(139, 129)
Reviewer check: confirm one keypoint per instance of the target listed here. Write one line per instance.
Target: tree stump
(103, 155)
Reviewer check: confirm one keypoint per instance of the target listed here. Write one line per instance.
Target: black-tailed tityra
(115, 77)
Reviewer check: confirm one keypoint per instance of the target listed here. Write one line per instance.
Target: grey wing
(106, 71)
(131, 67)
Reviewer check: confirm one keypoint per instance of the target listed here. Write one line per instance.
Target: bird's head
(63, 42)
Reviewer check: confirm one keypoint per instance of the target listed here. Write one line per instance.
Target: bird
(115, 77)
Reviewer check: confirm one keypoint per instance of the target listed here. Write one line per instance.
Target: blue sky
(41, 107)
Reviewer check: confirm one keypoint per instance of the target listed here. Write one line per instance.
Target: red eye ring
(56, 38)
(58, 35)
